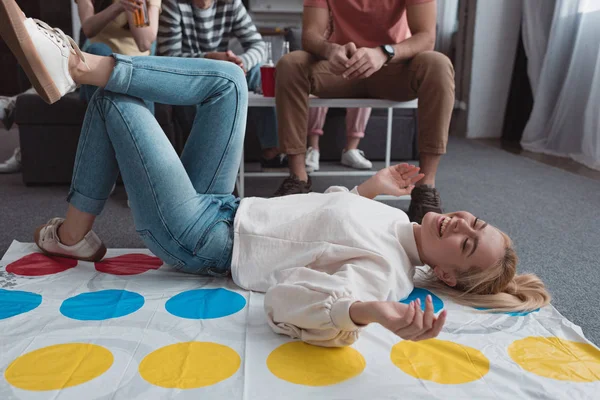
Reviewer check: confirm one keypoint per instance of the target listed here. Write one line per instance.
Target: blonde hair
(498, 288)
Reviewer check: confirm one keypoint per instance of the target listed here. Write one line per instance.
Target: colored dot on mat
(303, 364)
(556, 358)
(511, 313)
(59, 366)
(419, 293)
(189, 365)
(205, 303)
(128, 264)
(440, 361)
(15, 302)
(101, 305)
(38, 264)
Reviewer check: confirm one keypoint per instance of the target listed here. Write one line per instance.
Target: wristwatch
(389, 51)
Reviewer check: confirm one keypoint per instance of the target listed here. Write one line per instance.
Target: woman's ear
(447, 277)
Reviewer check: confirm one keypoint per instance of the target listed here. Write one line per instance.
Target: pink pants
(356, 121)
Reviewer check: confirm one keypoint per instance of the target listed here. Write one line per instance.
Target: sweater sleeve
(252, 42)
(314, 306)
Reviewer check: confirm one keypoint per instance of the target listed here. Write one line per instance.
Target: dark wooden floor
(559, 162)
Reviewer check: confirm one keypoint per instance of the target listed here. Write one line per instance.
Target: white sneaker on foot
(90, 248)
(356, 159)
(312, 160)
(13, 164)
(42, 51)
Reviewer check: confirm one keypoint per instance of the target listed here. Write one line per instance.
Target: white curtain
(447, 24)
(562, 43)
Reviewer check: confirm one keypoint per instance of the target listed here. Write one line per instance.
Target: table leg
(388, 144)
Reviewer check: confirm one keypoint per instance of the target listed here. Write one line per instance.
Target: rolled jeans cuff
(84, 203)
(120, 78)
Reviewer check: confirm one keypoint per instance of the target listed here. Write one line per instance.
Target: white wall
(497, 24)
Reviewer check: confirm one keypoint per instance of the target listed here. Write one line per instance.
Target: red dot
(128, 264)
(38, 264)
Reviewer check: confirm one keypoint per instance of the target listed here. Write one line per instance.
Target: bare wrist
(330, 48)
(368, 188)
(360, 313)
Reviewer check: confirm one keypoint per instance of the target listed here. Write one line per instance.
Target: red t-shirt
(367, 23)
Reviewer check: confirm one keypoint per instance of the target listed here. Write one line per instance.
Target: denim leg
(266, 129)
(213, 151)
(168, 213)
(100, 49)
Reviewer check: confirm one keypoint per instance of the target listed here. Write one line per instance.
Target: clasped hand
(356, 63)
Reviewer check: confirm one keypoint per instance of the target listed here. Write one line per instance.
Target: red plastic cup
(267, 75)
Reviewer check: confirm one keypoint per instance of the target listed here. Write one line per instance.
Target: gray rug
(552, 216)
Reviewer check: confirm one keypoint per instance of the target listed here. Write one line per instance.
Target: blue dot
(15, 302)
(205, 303)
(419, 293)
(511, 313)
(105, 304)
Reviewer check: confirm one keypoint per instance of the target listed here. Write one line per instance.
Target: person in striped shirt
(204, 28)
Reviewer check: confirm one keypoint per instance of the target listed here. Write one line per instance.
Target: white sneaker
(13, 164)
(312, 160)
(42, 51)
(356, 159)
(90, 248)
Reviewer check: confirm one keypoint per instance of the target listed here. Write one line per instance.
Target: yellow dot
(59, 366)
(440, 361)
(556, 358)
(189, 365)
(303, 364)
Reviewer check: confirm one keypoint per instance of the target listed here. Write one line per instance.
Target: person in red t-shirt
(378, 49)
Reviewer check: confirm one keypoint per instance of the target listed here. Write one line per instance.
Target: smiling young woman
(475, 264)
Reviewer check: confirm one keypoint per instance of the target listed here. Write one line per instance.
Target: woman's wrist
(360, 313)
(368, 188)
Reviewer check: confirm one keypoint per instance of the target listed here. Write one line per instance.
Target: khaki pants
(429, 77)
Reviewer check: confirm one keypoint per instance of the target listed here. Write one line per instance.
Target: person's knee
(436, 66)
(104, 97)
(292, 64)
(235, 76)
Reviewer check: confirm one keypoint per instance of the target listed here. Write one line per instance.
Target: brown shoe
(293, 185)
(424, 199)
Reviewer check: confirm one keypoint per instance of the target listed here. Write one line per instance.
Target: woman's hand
(407, 321)
(130, 5)
(397, 180)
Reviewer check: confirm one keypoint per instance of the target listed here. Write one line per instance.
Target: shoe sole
(98, 255)
(352, 166)
(14, 33)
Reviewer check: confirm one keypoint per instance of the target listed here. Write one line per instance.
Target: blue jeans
(87, 91)
(183, 208)
(266, 118)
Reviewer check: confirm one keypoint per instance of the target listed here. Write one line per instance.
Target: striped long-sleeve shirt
(188, 31)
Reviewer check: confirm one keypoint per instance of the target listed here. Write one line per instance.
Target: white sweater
(316, 254)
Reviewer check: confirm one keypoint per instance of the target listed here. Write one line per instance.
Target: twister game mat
(131, 328)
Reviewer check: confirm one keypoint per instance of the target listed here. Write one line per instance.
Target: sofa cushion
(32, 110)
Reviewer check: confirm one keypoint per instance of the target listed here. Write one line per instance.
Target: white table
(256, 100)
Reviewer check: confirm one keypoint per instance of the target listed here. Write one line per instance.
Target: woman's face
(457, 241)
